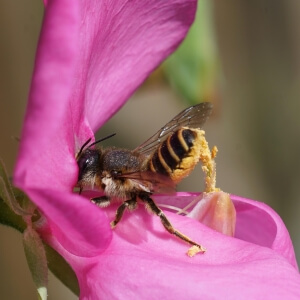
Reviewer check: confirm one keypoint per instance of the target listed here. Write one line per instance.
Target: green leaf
(37, 261)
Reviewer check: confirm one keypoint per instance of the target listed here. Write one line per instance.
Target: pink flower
(91, 56)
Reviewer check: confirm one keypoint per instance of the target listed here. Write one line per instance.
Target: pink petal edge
(47, 148)
(267, 229)
(256, 222)
(80, 228)
(156, 261)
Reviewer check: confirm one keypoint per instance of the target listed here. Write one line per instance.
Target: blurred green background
(244, 56)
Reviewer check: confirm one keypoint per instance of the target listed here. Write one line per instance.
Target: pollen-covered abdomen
(177, 156)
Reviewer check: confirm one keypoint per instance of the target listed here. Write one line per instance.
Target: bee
(157, 165)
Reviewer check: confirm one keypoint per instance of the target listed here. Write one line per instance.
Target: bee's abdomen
(176, 156)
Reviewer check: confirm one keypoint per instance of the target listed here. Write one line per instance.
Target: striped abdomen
(177, 156)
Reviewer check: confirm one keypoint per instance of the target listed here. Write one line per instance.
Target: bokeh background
(244, 56)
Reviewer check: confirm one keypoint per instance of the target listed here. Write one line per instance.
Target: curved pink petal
(47, 148)
(46, 169)
(90, 58)
(78, 227)
(122, 42)
(256, 222)
(144, 261)
(259, 224)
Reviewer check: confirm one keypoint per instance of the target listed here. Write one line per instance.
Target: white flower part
(42, 291)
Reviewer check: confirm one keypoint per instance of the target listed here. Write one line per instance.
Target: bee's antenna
(83, 146)
(101, 140)
(86, 143)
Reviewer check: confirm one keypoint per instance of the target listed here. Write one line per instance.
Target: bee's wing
(193, 117)
(154, 181)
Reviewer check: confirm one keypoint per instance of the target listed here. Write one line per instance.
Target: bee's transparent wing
(193, 117)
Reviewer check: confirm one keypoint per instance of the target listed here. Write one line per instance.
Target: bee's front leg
(130, 204)
(102, 201)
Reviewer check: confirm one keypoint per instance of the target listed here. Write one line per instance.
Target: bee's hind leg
(102, 201)
(130, 204)
(145, 197)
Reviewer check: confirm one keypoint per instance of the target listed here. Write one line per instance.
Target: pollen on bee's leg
(214, 152)
(207, 157)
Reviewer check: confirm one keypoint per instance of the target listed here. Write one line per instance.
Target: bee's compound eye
(83, 163)
(88, 162)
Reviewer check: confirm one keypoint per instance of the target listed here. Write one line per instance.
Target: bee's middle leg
(130, 204)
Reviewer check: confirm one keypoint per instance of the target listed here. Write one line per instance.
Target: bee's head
(88, 163)
(88, 160)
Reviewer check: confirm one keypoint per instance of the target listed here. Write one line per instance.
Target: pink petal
(259, 224)
(256, 222)
(144, 261)
(91, 56)
(78, 227)
(122, 42)
(47, 148)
